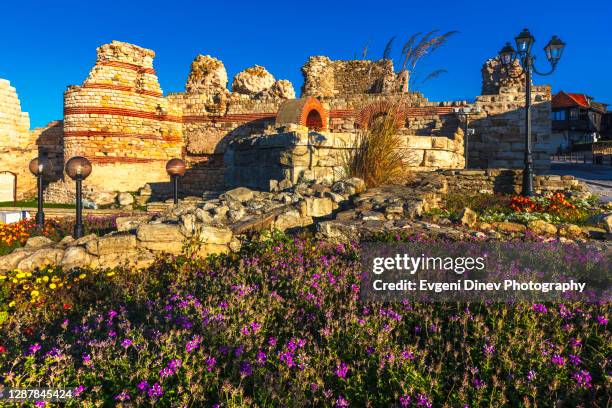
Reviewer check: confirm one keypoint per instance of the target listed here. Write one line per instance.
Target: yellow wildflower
(52, 286)
(82, 276)
(34, 293)
(2, 277)
(20, 275)
(12, 303)
(110, 274)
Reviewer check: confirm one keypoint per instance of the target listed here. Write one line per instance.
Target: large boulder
(291, 219)
(214, 235)
(103, 198)
(41, 258)
(508, 227)
(161, 237)
(252, 81)
(75, 257)
(131, 222)
(540, 227)
(125, 199)
(10, 261)
(240, 194)
(111, 244)
(38, 242)
(316, 206)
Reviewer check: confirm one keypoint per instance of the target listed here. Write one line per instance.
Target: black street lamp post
(40, 167)
(463, 114)
(524, 42)
(175, 168)
(78, 168)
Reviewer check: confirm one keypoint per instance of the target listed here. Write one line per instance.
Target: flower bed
(15, 235)
(281, 324)
(556, 208)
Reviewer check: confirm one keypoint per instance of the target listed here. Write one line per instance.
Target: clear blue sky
(49, 45)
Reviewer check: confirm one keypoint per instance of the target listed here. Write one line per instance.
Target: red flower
(67, 306)
(2, 349)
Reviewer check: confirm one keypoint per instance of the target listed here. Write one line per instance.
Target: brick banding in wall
(127, 65)
(101, 133)
(94, 110)
(122, 160)
(123, 88)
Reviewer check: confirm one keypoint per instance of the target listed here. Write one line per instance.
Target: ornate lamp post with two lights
(40, 167)
(524, 42)
(175, 168)
(78, 168)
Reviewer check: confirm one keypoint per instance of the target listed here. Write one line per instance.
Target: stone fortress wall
(120, 120)
(17, 146)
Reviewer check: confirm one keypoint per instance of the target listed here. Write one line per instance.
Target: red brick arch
(369, 113)
(307, 112)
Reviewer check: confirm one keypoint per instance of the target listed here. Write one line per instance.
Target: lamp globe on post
(78, 168)
(524, 41)
(554, 49)
(175, 168)
(507, 55)
(40, 167)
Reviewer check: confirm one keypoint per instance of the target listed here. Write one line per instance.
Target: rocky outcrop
(252, 81)
(207, 75)
(199, 226)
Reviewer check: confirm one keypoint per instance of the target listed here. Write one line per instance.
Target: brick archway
(307, 112)
(373, 111)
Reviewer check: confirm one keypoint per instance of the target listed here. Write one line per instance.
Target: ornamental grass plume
(376, 155)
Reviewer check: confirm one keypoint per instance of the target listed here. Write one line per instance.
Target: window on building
(558, 115)
(574, 114)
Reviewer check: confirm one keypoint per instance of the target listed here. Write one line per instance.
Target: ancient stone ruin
(256, 134)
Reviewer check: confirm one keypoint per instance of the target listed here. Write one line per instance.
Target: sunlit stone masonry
(256, 132)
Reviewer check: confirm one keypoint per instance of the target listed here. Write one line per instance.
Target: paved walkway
(597, 177)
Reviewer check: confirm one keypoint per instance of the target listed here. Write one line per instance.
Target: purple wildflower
(582, 378)
(79, 390)
(261, 357)
(575, 360)
(287, 358)
(155, 391)
(341, 370)
(123, 396)
(423, 401)
(245, 369)
(34, 348)
(558, 360)
(143, 386)
(210, 363)
(405, 400)
(126, 343)
(341, 402)
(539, 308)
(193, 344)
(602, 320)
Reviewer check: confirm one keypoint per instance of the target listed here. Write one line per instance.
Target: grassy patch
(32, 204)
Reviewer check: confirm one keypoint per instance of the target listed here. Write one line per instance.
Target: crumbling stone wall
(17, 145)
(296, 153)
(499, 140)
(328, 78)
(507, 181)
